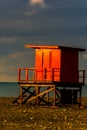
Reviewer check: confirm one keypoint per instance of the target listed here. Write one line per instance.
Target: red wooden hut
(56, 67)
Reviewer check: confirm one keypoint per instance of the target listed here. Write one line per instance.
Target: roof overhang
(51, 47)
(40, 46)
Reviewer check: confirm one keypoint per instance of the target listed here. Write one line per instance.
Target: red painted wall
(57, 65)
(38, 64)
(69, 65)
(47, 64)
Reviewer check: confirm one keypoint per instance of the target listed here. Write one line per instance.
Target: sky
(49, 22)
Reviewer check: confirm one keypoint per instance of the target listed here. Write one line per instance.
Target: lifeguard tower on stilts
(55, 79)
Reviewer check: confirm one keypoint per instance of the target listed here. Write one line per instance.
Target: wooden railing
(82, 76)
(26, 74)
(30, 74)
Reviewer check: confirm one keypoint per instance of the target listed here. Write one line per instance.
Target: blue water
(10, 89)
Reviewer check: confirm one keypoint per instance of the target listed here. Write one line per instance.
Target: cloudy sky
(51, 22)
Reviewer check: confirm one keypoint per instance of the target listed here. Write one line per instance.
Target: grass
(25, 117)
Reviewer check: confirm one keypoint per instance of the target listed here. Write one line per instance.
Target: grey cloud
(30, 13)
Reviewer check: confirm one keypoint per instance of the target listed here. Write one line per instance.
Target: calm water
(8, 89)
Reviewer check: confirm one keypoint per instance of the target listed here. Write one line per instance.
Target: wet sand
(26, 117)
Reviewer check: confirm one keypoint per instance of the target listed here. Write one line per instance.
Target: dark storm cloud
(10, 8)
(60, 17)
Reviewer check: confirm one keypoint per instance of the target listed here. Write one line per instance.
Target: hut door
(43, 64)
(46, 65)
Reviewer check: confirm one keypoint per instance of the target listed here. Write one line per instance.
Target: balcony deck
(29, 78)
(31, 88)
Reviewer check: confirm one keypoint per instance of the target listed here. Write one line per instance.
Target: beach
(26, 117)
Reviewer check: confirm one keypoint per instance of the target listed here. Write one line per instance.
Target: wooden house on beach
(55, 78)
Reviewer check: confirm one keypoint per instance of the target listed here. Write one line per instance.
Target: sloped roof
(51, 47)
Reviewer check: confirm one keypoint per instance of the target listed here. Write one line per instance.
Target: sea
(12, 89)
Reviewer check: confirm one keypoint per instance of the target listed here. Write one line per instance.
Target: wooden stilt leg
(54, 97)
(21, 95)
(37, 92)
(80, 96)
(48, 97)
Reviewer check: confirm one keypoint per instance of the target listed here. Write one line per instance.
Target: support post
(54, 98)
(21, 95)
(37, 92)
(26, 74)
(48, 97)
(80, 96)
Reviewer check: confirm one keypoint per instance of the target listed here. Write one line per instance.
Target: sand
(26, 117)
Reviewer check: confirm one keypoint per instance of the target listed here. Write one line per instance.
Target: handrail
(82, 76)
(27, 77)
